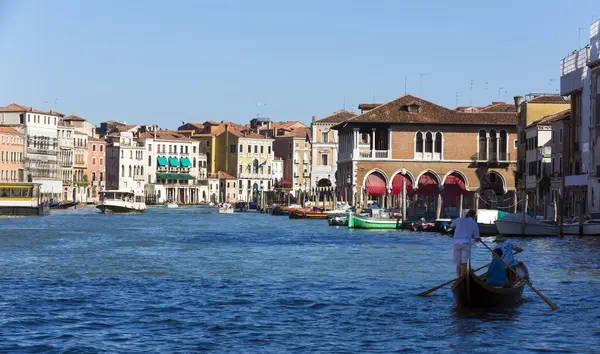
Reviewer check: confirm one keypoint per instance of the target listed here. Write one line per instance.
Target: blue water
(190, 280)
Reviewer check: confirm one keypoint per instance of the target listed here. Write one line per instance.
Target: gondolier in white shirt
(465, 230)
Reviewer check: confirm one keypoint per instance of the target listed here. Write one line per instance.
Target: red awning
(454, 186)
(284, 182)
(375, 184)
(397, 184)
(428, 185)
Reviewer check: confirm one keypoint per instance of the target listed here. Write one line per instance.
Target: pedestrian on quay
(465, 230)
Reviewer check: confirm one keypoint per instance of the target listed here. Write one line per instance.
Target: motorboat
(512, 224)
(119, 201)
(225, 208)
(590, 226)
(171, 204)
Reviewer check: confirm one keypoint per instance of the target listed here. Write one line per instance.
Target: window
(482, 145)
(122, 154)
(428, 142)
(305, 157)
(93, 147)
(232, 148)
(262, 149)
(419, 142)
(194, 162)
(131, 154)
(269, 169)
(290, 145)
(515, 145)
(560, 135)
(325, 136)
(325, 159)
(241, 149)
(256, 149)
(93, 161)
(438, 143)
(249, 149)
(130, 173)
(122, 171)
(269, 149)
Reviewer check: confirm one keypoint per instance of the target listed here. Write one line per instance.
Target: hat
(499, 239)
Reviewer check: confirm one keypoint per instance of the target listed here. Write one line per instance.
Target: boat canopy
(185, 162)
(177, 176)
(173, 162)
(162, 161)
(375, 184)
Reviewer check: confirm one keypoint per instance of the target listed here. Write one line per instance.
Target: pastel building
(12, 150)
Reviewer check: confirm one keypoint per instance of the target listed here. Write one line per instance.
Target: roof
(74, 118)
(547, 120)
(548, 99)
(499, 107)
(368, 106)
(10, 130)
(297, 133)
(337, 117)
(13, 107)
(395, 112)
(293, 124)
(91, 138)
(164, 135)
(221, 175)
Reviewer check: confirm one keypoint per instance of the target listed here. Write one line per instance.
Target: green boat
(360, 222)
(338, 221)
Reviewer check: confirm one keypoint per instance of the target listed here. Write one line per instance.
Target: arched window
(503, 145)
(483, 155)
(428, 142)
(149, 161)
(493, 146)
(438, 143)
(93, 176)
(141, 170)
(255, 166)
(419, 142)
(122, 170)
(130, 171)
(195, 161)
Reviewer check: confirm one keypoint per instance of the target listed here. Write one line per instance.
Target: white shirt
(464, 229)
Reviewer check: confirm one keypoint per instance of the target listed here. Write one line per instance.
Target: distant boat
(281, 211)
(171, 204)
(589, 227)
(338, 221)
(361, 222)
(512, 225)
(307, 214)
(225, 210)
(116, 201)
(63, 205)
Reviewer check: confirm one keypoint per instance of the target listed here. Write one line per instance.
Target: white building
(65, 159)
(125, 161)
(41, 152)
(594, 67)
(324, 148)
(175, 168)
(81, 184)
(277, 170)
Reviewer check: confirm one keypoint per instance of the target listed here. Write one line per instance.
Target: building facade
(41, 148)
(125, 161)
(81, 183)
(96, 168)
(12, 150)
(594, 68)
(437, 153)
(324, 148)
(66, 160)
(294, 148)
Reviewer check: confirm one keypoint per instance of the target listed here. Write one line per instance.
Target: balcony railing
(249, 175)
(545, 151)
(492, 157)
(373, 154)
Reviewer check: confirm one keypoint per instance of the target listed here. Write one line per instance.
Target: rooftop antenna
(352, 108)
(344, 108)
(373, 98)
(405, 80)
(456, 99)
(471, 88)
(55, 103)
(500, 93)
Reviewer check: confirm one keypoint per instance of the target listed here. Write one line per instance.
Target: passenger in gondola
(496, 274)
(508, 248)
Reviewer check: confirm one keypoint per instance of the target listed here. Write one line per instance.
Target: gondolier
(465, 230)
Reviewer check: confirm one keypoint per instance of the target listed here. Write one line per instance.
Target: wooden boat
(338, 221)
(589, 227)
(115, 201)
(472, 291)
(307, 214)
(63, 205)
(281, 211)
(171, 205)
(512, 224)
(224, 210)
(361, 222)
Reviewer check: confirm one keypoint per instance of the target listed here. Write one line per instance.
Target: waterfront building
(324, 148)
(538, 162)
(96, 168)
(175, 170)
(41, 148)
(12, 149)
(561, 152)
(66, 160)
(439, 153)
(594, 68)
(575, 82)
(294, 148)
(125, 160)
(81, 125)
(81, 183)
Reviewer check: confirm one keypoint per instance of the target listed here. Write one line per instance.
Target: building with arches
(439, 154)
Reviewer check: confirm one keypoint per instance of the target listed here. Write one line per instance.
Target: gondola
(472, 291)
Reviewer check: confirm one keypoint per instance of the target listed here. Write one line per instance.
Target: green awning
(185, 162)
(162, 161)
(174, 162)
(177, 176)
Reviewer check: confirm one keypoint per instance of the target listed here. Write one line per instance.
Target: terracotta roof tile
(368, 106)
(74, 118)
(498, 107)
(547, 120)
(548, 99)
(337, 117)
(396, 111)
(297, 133)
(221, 175)
(9, 130)
(13, 107)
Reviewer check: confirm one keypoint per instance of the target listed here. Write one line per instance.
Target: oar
(427, 292)
(552, 306)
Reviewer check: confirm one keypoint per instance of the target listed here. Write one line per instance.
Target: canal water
(191, 280)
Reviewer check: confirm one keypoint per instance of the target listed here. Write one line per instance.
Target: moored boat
(471, 290)
(171, 204)
(22, 198)
(338, 221)
(63, 205)
(117, 201)
(589, 227)
(512, 224)
(361, 222)
(307, 214)
(224, 210)
(281, 211)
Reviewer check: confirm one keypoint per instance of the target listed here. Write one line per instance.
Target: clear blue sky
(166, 61)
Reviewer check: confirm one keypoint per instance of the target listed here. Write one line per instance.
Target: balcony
(248, 175)
(544, 151)
(573, 70)
(492, 158)
(138, 177)
(373, 154)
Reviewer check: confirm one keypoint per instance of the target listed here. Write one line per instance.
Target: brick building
(439, 152)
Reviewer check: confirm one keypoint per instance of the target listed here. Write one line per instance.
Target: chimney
(518, 101)
(269, 125)
(587, 53)
(314, 119)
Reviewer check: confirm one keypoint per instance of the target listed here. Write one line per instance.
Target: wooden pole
(555, 209)
(580, 205)
(403, 201)
(334, 197)
(524, 214)
(476, 202)
(438, 212)
(515, 204)
(460, 205)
